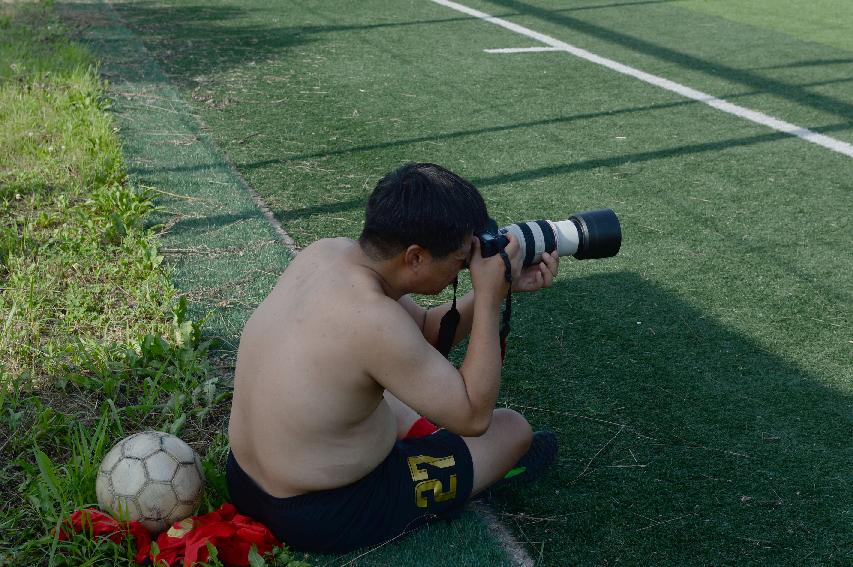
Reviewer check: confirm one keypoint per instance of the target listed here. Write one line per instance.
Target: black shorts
(422, 479)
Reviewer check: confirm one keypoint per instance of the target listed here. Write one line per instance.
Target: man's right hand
(488, 275)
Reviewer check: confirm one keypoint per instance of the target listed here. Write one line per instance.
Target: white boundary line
(522, 50)
(720, 104)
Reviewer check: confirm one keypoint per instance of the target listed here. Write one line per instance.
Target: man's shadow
(681, 439)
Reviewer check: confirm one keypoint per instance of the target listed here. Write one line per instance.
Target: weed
(95, 343)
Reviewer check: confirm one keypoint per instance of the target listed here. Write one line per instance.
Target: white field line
(522, 50)
(710, 100)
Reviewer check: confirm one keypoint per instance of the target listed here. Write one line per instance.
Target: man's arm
(429, 320)
(399, 359)
(532, 278)
(396, 355)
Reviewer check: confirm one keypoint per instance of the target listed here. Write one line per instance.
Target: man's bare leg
(499, 449)
(494, 453)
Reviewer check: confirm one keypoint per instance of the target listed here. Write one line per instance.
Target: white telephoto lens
(568, 239)
(530, 239)
(535, 237)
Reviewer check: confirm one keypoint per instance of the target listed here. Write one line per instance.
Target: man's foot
(539, 457)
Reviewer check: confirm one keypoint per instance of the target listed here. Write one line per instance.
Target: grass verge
(96, 341)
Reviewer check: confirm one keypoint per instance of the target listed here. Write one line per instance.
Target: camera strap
(507, 314)
(450, 321)
(448, 325)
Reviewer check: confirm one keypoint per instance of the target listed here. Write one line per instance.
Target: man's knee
(514, 425)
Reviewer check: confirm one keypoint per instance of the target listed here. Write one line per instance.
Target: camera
(591, 234)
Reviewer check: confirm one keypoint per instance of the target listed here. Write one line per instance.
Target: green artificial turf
(700, 382)
(825, 21)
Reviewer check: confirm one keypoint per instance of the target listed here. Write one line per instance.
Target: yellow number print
(427, 485)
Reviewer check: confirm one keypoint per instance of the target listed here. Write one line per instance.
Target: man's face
(442, 271)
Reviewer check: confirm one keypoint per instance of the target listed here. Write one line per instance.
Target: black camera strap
(507, 314)
(450, 321)
(448, 325)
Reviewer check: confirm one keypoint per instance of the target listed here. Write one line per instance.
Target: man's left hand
(537, 276)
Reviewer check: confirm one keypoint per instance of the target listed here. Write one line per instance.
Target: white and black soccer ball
(150, 477)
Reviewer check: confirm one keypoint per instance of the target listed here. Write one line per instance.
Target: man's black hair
(424, 204)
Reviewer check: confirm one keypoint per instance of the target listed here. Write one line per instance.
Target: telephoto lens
(587, 235)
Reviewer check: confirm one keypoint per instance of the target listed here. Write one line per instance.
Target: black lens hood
(599, 234)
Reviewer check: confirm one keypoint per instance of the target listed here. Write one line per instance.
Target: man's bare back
(306, 414)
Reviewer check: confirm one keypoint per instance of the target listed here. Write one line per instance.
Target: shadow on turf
(682, 442)
(714, 69)
(772, 253)
(444, 136)
(209, 222)
(541, 172)
(613, 5)
(202, 39)
(639, 157)
(808, 63)
(197, 40)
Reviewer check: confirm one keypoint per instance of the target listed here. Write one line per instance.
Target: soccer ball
(150, 477)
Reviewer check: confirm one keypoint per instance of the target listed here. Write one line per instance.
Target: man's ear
(415, 257)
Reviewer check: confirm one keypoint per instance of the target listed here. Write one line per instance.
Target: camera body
(586, 235)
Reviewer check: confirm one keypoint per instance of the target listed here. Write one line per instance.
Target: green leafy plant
(94, 344)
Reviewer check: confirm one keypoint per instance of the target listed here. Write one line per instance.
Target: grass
(76, 262)
(97, 343)
(699, 382)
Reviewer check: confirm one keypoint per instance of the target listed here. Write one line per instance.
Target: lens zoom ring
(529, 243)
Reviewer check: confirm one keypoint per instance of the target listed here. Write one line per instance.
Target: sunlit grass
(75, 259)
(96, 343)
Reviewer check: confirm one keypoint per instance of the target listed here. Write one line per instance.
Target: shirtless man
(338, 364)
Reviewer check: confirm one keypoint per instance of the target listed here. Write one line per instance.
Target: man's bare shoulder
(325, 245)
(351, 291)
(322, 262)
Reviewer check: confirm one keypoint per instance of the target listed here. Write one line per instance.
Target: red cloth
(96, 523)
(421, 428)
(232, 535)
